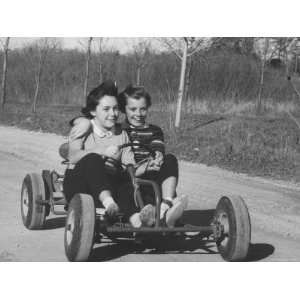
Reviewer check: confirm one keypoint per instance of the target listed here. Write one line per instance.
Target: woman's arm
(80, 126)
(76, 146)
(76, 151)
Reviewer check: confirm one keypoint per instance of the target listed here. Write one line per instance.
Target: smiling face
(136, 111)
(106, 112)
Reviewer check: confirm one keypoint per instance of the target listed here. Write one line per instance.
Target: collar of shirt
(99, 132)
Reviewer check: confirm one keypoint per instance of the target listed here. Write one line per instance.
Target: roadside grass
(229, 136)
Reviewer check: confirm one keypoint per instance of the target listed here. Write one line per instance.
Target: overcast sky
(121, 44)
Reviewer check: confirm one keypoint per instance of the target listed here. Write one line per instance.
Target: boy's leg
(168, 176)
(172, 207)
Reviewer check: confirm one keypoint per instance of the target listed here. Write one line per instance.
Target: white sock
(108, 201)
(135, 220)
(163, 208)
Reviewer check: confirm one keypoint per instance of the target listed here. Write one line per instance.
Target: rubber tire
(36, 215)
(82, 209)
(239, 228)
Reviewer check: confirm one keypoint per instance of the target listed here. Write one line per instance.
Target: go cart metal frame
(42, 194)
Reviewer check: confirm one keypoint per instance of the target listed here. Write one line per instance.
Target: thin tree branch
(293, 118)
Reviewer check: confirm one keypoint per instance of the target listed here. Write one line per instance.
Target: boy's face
(136, 111)
(106, 112)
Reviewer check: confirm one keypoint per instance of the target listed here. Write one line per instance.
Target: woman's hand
(113, 152)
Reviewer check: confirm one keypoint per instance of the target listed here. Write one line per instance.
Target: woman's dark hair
(135, 92)
(106, 88)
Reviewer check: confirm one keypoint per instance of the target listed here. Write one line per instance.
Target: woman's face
(136, 111)
(106, 112)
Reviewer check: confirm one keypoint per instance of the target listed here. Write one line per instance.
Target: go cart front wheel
(33, 190)
(232, 214)
(80, 227)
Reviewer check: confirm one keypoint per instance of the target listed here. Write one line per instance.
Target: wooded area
(215, 69)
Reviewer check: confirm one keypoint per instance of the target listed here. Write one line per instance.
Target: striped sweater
(150, 135)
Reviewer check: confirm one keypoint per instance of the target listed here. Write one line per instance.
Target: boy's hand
(152, 166)
(155, 164)
(159, 158)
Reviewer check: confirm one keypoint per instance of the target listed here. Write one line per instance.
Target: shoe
(175, 212)
(147, 215)
(100, 211)
(135, 220)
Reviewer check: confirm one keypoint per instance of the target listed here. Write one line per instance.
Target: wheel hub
(222, 228)
(70, 227)
(25, 201)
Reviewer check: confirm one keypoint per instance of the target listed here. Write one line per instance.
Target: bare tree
(189, 66)
(141, 51)
(87, 66)
(262, 72)
(43, 47)
(293, 49)
(101, 41)
(184, 48)
(4, 72)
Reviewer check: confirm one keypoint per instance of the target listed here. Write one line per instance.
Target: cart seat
(64, 152)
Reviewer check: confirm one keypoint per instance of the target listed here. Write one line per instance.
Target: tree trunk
(88, 56)
(100, 61)
(181, 85)
(100, 72)
(189, 67)
(138, 75)
(37, 86)
(259, 100)
(4, 73)
(53, 89)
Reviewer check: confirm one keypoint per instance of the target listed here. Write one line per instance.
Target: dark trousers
(91, 176)
(169, 168)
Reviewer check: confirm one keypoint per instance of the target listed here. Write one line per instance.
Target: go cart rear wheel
(33, 190)
(80, 227)
(232, 214)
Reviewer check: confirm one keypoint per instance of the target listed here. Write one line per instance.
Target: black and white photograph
(150, 149)
(156, 143)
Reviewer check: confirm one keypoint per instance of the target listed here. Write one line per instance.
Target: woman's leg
(88, 177)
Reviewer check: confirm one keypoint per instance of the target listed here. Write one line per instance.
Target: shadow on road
(112, 251)
(260, 251)
(55, 223)
(165, 244)
(154, 246)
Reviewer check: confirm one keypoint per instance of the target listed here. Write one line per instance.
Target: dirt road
(274, 208)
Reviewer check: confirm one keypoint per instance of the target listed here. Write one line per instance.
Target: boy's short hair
(135, 92)
(106, 88)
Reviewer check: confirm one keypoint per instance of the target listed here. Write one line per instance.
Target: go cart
(42, 193)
